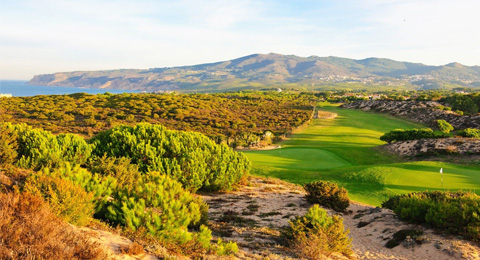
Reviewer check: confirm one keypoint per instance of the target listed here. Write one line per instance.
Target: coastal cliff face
(424, 112)
(122, 79)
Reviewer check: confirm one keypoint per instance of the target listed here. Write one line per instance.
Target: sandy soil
(112, 244)
(325, 115)
(268, 147)
(254, 214)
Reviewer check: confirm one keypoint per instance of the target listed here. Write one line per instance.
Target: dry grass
(451, 149)
(312, 247)
(29, 230)
(132, 249)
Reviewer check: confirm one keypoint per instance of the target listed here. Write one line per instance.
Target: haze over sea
(19, 88)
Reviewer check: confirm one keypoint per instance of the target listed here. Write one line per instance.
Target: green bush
(410, 134)
(444, 126)
(67, 200)
(8, 144)
(469, 132)
(327, 194)
(190, 158)
(226, 248)
(155, 206)
(454, 212)
(102, 187)
(159, 204)
(38, 148)
(317, 235)
(463, 103)
(126, 173)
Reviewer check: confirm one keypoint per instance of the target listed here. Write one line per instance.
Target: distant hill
(273, 70)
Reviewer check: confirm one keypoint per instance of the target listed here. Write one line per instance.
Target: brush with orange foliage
(29, 230)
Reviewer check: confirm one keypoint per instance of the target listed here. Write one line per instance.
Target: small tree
(317, 235)
(327, 194)
(444, 126)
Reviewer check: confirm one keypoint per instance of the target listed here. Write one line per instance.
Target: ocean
(19, 88)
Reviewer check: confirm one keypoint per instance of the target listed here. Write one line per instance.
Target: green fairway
(343, 150)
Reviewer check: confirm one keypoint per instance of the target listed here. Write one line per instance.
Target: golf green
(344, 150)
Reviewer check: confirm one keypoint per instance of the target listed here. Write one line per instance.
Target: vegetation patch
(234, 218)
(444, 126)
(406, 236)
(469, 132)
(66, 199)
(190, 158)
(410, 134)
(236, 119)
(132, 249)
(251, 209)
(80, 181)
(327, 194)
(453, 212)
(269, 214)
(317, 235)
(29, 230)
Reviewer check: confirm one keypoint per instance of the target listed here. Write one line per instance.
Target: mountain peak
(455, 65)
(272, 70)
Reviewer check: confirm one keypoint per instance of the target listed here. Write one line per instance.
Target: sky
(47, 36)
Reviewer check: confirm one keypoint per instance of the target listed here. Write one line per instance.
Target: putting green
(300, 158)
(344, 150)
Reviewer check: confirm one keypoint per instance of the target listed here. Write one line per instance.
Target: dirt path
(254, 215)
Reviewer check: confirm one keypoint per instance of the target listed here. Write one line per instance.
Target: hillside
(272, 70)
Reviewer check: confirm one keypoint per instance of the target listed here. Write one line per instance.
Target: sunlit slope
(344, 150)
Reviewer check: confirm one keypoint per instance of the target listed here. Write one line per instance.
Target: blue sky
(47, 36)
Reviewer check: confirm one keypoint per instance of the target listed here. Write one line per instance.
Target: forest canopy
(237, 119)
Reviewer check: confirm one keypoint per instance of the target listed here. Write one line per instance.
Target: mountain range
(273, 70)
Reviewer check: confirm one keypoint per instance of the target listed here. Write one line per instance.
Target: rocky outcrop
(424, 112)
(464, 146)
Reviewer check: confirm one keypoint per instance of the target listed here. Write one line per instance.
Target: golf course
(345, 150)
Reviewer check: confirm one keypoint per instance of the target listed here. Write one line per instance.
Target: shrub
(444, 126)
(38, 148)
(469, 132)
(126, 174)
(317, 235)
(327, 194)
(29, 230)
(102, 187)
(190, 158)
(131, 249)
(454, 212)
(159, 204)
(226, 248)
(8, 144)
(463, 103)
(155, 206)
(410, 134)
(67, 200)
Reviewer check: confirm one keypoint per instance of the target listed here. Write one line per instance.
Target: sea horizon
(21, 88)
